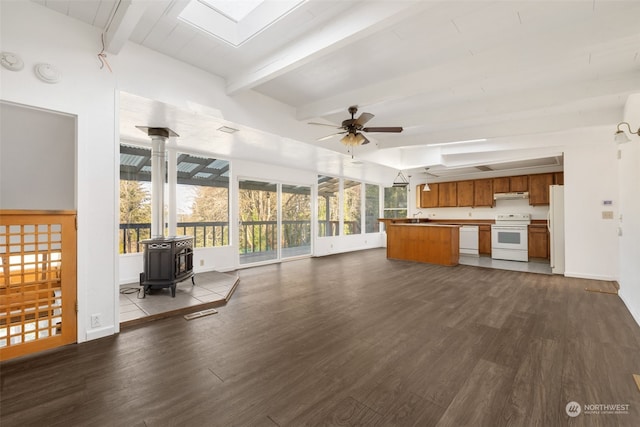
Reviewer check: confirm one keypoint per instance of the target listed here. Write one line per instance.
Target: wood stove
(167, 261)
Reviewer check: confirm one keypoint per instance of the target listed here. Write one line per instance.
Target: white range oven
(509, 237)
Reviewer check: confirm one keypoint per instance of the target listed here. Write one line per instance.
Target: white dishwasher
(469, 240)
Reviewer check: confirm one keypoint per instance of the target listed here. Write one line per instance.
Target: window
(328, 208)
(395, 202)
(202, 194)
(352, 207)
(371, 208)
(135, 197)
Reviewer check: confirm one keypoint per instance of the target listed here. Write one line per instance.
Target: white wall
(590, 177)
(41, 35)
(629, 209)
(37, 151)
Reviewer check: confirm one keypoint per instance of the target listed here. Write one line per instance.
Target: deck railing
(255, 236)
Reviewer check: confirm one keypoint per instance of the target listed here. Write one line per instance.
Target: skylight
(234, 10)
(235, 22)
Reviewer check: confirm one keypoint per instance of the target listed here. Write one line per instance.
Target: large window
(371, 208)
(395, 202)
(135, 197)
(328, 207)
(202, 193)
(202, 204)
(352, 207)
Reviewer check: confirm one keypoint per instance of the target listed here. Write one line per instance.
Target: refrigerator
(555, 223)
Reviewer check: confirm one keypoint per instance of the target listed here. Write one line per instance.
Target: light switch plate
(607, 214)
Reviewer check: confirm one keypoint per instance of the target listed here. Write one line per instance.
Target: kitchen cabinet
(447, 194)
(484, 240)
(558, 178)
(539, 188)
(501, 185)
(538, 241)
(482, 192)
(429, 199)
(519, 183)
(464, 192)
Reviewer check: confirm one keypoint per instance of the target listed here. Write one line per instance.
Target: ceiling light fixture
(227, 129)
(621, 137)
(426, 183)
(353, 139)
(400, 181)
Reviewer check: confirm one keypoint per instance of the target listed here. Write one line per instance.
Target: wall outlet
(201, 262)
(95, 320)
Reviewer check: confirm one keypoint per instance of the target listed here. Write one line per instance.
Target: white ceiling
(444, 70)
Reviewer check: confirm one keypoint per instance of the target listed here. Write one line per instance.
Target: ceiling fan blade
(323, 124)
(366, 141)
(330, 136)
(364, 118)
(395, 129)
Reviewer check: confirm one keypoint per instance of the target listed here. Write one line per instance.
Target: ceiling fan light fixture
(352, 139)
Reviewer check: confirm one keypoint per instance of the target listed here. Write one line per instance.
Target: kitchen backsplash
(501, 207)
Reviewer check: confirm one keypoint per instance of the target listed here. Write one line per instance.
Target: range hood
(511, 196)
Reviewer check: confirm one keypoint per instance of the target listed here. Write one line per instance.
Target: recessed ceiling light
(227, 129)
(457, 142)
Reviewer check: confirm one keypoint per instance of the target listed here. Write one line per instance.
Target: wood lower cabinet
(434, 244)
(484, 240)
(483, 193)
(538, 241)
(464, 192)
(429, 199)
(447, 194)
(539, 188)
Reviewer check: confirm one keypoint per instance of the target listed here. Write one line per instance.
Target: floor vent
(198, 314)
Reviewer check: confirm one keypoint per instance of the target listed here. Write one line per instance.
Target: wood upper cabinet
(558, 178)
(501, 185)
(465, 193)
(538, 241)
(484, 239)
(519, 183)
(482, 192)
(429, 199)
(539, 188)
(447, 194)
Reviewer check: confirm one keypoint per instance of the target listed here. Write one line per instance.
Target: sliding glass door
(275, 221)
(296, 221)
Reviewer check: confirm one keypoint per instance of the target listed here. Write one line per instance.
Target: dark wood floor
(351, 339)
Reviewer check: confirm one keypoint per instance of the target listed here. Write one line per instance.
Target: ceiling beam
(354, 25)
(123, 21)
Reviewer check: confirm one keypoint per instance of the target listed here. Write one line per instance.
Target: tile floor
(209, 287)
(541, 267)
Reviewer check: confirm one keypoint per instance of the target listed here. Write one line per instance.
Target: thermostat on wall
(607, 202)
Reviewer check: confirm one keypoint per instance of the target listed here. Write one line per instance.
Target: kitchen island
(423, 242)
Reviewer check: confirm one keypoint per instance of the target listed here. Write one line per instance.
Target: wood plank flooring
(351, 339)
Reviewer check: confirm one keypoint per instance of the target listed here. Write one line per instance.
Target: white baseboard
(105, 331)
(634, 313)
(589, 276)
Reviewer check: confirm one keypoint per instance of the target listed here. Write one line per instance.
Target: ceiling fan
(352, 128)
